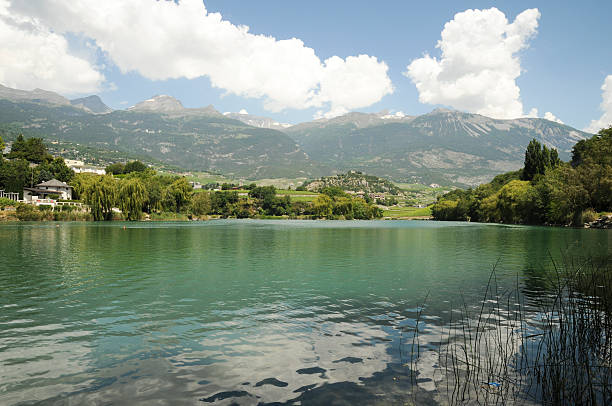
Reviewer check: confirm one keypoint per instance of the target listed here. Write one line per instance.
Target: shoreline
(8, 215)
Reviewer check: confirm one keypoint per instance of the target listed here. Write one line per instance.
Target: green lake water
(244, 311)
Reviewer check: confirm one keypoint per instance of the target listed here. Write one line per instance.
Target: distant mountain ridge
(359, 120)
(92, 104)
(161, 128)
(159, 103)
(445, 147)
(34, 96)
(170, 106)
(258, 121)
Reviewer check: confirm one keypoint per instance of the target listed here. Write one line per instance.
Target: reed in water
(557, 350)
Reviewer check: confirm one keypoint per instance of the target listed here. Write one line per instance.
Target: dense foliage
(154, 194)
(545, 191)
(28, 164)
(32, 150)
(538, 158)
(120, 168)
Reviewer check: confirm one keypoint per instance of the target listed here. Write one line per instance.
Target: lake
(246, 311)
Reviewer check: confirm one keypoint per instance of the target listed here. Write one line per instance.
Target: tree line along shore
(134, 191)
(545, 191)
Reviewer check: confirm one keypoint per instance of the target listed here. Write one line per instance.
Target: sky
(295, 61)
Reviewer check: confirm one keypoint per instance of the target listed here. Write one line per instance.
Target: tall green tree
(178, 194)
(80, 183)
(201, 204)
(538, 158)
(32, 150)
(268, 201)
(322, 206)
(135, 166)
(262, 192)
(361, 209)
(18, 148)
(132, 197)
(15, 175)
(43, 175)
(116, 168)
(224, 203)
(60, 170)
(101, 196)
(343, 206)
(568, 197)
(515, 202)
(597, 149)
(36, 151)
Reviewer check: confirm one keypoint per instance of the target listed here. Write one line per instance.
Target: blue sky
(564, 59)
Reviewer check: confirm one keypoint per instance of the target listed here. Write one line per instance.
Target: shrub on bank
(589, 215)
(27, 212)
(5, 202)
(169, 216)
(71, 216)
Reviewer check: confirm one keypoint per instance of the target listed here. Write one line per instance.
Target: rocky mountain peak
(159, 103)
(92, 104)
(34, 96)
(442, 110)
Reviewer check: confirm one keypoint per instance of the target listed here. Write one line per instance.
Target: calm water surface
(245, 312)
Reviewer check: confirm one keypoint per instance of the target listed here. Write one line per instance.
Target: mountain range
(444, 146)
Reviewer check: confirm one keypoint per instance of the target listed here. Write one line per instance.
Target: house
(73, 162)
(80, 167)
(88, 169)
(44, 190)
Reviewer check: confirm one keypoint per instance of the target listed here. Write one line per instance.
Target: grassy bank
(407, 212)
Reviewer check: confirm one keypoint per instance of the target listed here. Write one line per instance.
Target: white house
(43, 190)
(89, 169)
(73, 162)
(80, 167)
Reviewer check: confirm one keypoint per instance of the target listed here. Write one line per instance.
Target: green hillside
(190, 141)
(444, 147)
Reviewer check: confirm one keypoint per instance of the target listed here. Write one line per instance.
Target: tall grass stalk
(557, 350)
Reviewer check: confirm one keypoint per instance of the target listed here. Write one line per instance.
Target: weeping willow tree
(101, 196)
(177, 195)
(132, 198)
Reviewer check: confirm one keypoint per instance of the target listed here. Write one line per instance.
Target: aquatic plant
(554, 350)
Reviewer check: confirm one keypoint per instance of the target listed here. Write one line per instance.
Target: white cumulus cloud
(479, 64)
(605, 120)
(533, 113)
(551, 117)
(167, 40)
(31, 56)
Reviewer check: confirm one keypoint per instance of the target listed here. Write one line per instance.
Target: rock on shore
(602, 222)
